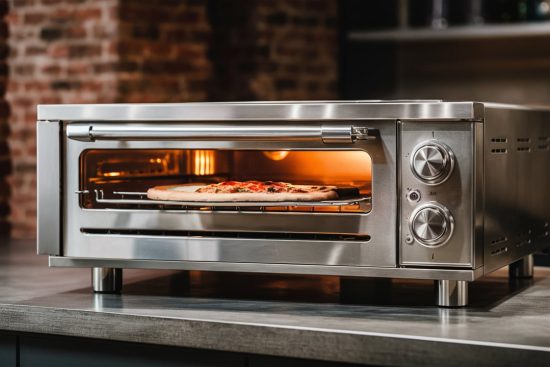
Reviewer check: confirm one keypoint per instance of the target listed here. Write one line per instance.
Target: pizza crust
(175, 193)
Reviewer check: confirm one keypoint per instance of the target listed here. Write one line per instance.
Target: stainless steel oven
(448, 191)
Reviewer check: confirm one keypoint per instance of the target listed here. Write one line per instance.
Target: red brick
(60, 51)
(87, 14)
(35, 50)
(83, 51)
(75, 32)
(34, 18)
(53, 69)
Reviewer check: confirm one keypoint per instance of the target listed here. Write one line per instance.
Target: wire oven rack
(121, 198)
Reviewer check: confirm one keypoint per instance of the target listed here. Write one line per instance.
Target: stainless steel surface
(379, 251)
(290, 111)
(451, 293)
(493, 220)
(140, 198)
(352, 271)
(431, 224)
(517, 184)
(272, 315)
(456, 194)
(522, 268)
(478, 211)
(49, 167)
(432, 162)
(340, 134)
(106, 280)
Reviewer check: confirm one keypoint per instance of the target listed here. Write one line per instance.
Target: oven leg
(107, 280)
(451, 293)
(522, 268)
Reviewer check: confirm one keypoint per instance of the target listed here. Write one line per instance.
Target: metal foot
(451, 293)
(107, 280)
(522, 268)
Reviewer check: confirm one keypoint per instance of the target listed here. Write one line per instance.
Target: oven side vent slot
(499, 240)
(499, 145)
(499, 251)
(223, 234)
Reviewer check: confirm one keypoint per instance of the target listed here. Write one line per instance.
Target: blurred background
(101, 51)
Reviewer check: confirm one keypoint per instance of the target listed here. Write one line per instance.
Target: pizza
(260, 191)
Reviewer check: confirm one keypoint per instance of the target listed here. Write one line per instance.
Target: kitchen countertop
(294, 316)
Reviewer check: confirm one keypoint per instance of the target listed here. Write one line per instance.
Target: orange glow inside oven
(204, 162)
(138, 170)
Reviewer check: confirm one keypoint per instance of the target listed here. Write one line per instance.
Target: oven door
(110, 166)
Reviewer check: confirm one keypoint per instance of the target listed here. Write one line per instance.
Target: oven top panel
(266, 111)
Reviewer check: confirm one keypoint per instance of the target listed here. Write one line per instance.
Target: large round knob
(431, 224)
(432, 162)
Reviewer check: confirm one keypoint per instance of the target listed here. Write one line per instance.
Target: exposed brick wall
(88, 51)
(163, 50)
(5, 162)
(60, 52)
(274, 50)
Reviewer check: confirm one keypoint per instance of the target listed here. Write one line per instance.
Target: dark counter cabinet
(29, 350)
(8, 350)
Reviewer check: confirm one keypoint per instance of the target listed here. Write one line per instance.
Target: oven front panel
(360, 234)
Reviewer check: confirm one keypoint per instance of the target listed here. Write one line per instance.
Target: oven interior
(120, 178)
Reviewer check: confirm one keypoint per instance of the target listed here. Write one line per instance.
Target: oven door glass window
(119, 179)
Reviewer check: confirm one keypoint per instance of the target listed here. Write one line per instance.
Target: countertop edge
(274, 340)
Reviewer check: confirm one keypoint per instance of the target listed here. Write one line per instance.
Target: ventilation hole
(524, 149)
(499, 151)
(524, 140)
(543, 138)
(216, 234)
(499, 251)
(543, 147)
(499, 140)
(523, 243)
(499, 240)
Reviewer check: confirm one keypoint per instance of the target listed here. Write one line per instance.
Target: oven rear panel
(107, 214)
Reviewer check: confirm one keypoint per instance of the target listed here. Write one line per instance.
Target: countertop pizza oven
(419, 189)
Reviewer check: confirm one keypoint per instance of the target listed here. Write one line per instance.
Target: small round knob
(414, 196)
(431, 224)
(432, 162)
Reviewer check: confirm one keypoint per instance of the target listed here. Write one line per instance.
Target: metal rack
(122, 198)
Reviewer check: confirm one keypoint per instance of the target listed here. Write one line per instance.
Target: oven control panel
(431, 224)
(432, 162)
(436, 178)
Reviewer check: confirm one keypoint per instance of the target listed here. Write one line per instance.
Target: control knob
(431, 224)
(432, 162)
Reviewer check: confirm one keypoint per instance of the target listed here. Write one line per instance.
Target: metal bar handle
(340, 134)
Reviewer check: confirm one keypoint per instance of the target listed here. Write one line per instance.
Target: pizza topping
(259, 187)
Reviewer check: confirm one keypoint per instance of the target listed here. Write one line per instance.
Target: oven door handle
(338, 134)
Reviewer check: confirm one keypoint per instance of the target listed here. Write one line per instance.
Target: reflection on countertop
(295, 316)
